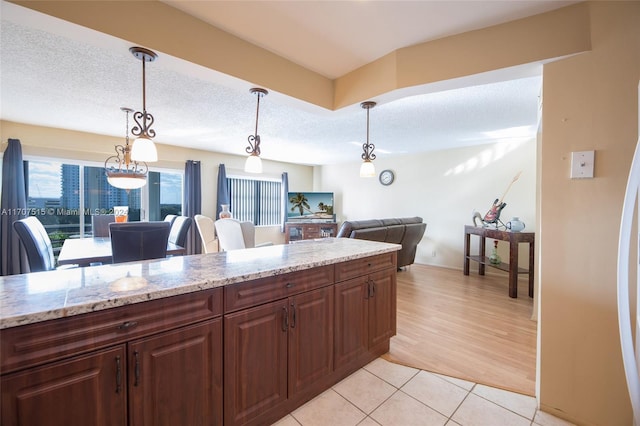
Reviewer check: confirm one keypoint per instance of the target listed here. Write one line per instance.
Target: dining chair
(207, 232)
(100, 224)
(132, 241)
(179, 229)
(234, 235)
(36, 243)
(170, 218)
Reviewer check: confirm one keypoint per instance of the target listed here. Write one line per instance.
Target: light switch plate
(582, 164)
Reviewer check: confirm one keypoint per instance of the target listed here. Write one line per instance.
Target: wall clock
(386, 177)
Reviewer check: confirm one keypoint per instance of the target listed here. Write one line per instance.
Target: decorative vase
(494, 258)
(515, 224)
(225, 213)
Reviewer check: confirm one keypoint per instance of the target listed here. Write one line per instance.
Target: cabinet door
(175, 378)
(382, 306)
(86, 390)
(255, 361)
(351, 320)
(310, 337)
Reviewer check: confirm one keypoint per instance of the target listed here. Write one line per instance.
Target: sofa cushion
(395, 234)
(371, 234)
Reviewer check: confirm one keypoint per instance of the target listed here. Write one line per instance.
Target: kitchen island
(241, 337)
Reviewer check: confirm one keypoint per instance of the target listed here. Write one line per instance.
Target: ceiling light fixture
(121, 171)
(254, 163)
(143, 148)
(367, 169)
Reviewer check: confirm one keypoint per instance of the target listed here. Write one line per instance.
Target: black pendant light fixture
(143, 148)
(122, 172)
(254, 163)
(367, 169)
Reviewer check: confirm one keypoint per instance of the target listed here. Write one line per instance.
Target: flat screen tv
(310, 206)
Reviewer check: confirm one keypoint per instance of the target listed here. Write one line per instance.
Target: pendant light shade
(368, 169)
(122, 172)
(143, 147)
(254, 163)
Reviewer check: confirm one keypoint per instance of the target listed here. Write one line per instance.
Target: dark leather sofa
(405, 231)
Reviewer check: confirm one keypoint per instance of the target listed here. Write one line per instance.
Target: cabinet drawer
(34, 344)
(252, 293)
(359, 267)
(311, 232)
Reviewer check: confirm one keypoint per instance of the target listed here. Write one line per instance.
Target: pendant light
(121, 171)
(367, 169)
(143, 148)
(254, 163)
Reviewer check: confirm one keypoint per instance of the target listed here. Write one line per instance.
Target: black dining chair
(133, 241)
(36, 243)
(100, 224)
(179, 229)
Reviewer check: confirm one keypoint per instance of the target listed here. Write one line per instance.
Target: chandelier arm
(367, 147)
(121, 171)
(254, 140)
(368, 151)
(254, 145)
(144, 121)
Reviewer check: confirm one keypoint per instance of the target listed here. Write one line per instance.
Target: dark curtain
(222, 196)
(285, 201)
(192, 204)
(14, 207)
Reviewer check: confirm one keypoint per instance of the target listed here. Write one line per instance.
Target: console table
(514, 239)
(309, 230)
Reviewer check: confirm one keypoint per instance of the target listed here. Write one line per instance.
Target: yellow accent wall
(590, 102)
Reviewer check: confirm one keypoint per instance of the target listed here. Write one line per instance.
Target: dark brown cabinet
(275, 351)
(141, 364)
(175, 378)
(85, 390)
(365, 315)
(365, 309)
(243, 354)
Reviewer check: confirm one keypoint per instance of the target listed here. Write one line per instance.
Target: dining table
(93, 250)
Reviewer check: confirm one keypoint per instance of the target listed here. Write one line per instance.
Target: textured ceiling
(61, 75)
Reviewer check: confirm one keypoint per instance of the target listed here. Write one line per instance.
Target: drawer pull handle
(293, 316)
(118, 375)
(285, 319)
(136, 354)
(369, 264)
(289, 285)
(127, 325)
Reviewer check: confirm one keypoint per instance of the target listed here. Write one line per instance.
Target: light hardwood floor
(466, 327)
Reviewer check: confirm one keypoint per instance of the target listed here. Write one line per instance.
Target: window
(64, 196)
(257, 201)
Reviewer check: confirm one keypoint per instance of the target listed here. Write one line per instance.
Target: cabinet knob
(127, 325)
(289, 285)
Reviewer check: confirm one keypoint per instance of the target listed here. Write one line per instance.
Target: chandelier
(367, 169)
(254, 163)
(143, 148)
(122, 172)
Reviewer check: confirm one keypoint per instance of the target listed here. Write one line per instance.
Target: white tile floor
(383, 393)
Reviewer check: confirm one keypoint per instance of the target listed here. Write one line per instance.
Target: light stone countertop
(41, 296)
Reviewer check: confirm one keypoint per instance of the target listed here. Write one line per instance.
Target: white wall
(444, 188)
